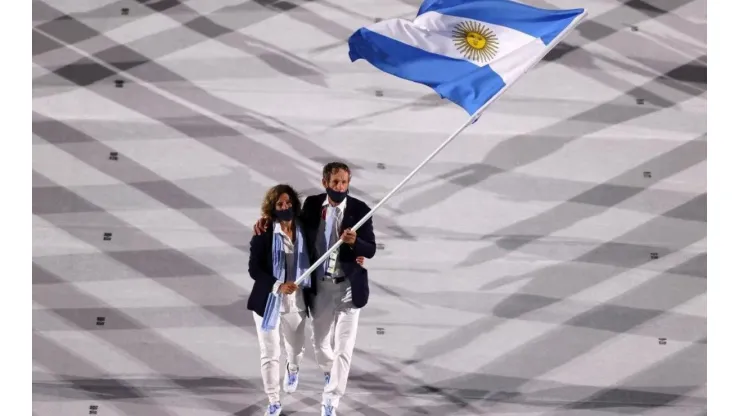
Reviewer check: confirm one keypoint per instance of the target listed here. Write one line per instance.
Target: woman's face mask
(284, 214)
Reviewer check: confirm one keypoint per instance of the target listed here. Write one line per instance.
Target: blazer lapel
(349, 219)
(313, 212)
(312, 221)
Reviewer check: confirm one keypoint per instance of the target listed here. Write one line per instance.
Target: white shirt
(333, 268)
(293, 302)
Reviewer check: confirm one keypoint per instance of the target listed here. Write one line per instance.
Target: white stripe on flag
(509, 40)
(513, 65)
(407, 33)
(432, 32)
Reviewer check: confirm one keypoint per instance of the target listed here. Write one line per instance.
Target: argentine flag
(466, 50)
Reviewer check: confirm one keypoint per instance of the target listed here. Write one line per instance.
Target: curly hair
(272, 196)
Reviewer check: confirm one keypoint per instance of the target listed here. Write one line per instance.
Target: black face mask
(284, 215)
(336, 196)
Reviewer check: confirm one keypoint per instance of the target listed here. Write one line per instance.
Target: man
(339, 286)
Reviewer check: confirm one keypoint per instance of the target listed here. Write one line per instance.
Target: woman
(277, 258)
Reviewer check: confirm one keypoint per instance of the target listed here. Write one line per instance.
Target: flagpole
(444, 144)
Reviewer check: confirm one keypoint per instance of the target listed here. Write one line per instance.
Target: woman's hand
(360, 260)
(287, 288)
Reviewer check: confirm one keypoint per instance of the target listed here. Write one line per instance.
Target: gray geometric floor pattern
(550, 261)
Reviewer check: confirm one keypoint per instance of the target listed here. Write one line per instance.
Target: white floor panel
(550, 261)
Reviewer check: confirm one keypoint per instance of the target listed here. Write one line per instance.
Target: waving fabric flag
(466, 50)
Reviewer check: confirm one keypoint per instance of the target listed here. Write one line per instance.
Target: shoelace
(292, 376)
(328, 410)
(274, 407)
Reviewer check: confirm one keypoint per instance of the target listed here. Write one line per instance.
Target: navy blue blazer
(364, 245)
(260, 269)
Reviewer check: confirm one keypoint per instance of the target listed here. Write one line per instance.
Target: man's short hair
(332, 167)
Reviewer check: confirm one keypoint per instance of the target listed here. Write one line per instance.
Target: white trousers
(291, 328)
(335, 322)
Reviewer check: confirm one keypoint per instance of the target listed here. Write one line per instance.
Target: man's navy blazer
(364, 245)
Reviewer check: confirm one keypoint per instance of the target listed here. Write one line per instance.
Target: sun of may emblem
(475, 41)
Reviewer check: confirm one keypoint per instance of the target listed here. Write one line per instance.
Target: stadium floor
(550, 261)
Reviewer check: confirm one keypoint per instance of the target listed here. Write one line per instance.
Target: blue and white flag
(466, 50)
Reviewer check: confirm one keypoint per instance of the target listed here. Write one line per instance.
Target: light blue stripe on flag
(539, 23)
(459, 81)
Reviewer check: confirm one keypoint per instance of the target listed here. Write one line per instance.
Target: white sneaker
(273, 409)
(328, 410)
(290, 382)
